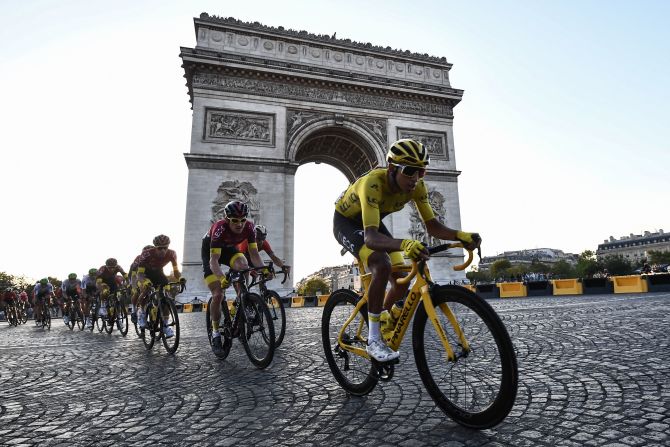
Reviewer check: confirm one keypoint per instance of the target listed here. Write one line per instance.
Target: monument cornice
(442, 175)
(246, 163)
(321, 39)
(296, 68)
(246, 81)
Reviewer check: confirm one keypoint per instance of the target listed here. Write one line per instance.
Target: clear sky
(561, 137)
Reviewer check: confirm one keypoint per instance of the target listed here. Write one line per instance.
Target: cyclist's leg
(134, 295)
(158, 278)
(141, 301)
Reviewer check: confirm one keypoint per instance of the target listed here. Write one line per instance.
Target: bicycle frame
(420, 291)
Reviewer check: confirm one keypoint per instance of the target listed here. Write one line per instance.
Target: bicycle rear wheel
(171, 344)
(257, 331)
(478, 389)
(150, 331)
(278, 314)
(72, 315)
(354, 373)
(110, 319)
(122, 318)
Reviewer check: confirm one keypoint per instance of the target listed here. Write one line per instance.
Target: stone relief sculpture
(435, 142)
(236, 190)
(295, 119)
(230, 126)
(417, 228)
(319, 94)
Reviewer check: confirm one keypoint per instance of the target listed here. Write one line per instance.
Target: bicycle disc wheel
(169, 313)
(354, 373)
(122, 319)
(478, 389)
(278, 314)
(257, 332)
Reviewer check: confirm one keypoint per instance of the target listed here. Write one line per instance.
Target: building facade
(635, 247)
(547, 256)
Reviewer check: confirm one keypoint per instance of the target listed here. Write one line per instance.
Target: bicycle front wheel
(354, 373)
(479, 387)
(278, 314)
(169, 322)
(257, 332)
(79, 317)
(122, 318)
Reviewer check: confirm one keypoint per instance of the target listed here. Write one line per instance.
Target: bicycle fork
(432, 316)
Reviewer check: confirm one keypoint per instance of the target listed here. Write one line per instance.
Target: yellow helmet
(408, 152)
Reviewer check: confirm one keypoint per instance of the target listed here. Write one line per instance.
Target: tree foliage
(587, 264)
(617, 265)
(563, 269)
(477, 276)
(659, 257)
(313, 285)
(499, 268)
(9, 281)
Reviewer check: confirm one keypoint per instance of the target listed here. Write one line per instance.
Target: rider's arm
(439, 230)
(175, 269)
(214, 255)
(255, 256)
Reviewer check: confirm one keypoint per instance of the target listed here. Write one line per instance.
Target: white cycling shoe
(379, 351)
(169, 333)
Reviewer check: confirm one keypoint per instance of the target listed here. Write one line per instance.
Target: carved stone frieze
(327, 95)
(320, 38)
(417, 228)
(377, 127)
(236, 190)
(297, 119)
(435, 142)
(233, 126)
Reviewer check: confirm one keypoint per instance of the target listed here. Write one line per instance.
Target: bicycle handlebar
(437, 249)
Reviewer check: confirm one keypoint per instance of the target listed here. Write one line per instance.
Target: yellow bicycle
(464, 356)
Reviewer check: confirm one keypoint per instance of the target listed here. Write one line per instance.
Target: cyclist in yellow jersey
(358, 226)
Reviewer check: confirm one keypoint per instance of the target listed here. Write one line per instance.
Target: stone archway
(266, 100)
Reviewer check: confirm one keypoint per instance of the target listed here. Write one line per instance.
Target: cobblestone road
(594, 370)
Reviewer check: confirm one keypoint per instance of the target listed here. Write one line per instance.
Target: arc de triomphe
(266, 100)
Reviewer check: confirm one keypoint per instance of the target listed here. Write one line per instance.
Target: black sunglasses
(409, 171)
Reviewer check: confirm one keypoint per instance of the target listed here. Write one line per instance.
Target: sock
(374, 327)
(215, 328)
(132, 307)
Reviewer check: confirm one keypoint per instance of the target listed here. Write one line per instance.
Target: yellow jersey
(371, 199)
